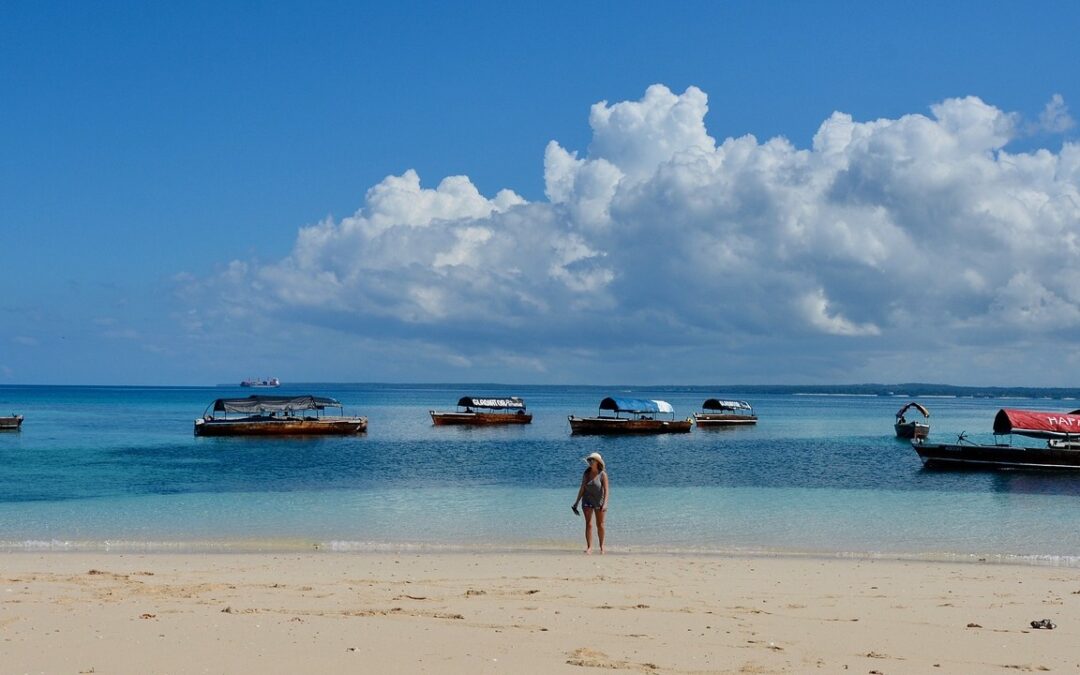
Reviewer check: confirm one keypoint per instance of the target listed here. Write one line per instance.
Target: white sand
(531, 613)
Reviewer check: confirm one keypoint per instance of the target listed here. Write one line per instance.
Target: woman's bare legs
(588, 512)
(600, 513)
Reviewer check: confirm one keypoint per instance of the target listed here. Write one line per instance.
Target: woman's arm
(580, 491)
(607, 489)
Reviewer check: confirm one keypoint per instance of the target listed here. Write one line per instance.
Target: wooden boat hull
(713, 420)
(910, 430)
(477, 418)
(12, 423)
(944, 455)
(622, 425)
(273, 426)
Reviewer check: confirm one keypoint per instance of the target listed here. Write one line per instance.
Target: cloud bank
(913, 243)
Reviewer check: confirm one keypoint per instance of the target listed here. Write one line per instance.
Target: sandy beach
(519, 612)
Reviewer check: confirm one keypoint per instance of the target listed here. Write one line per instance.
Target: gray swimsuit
(593, 498)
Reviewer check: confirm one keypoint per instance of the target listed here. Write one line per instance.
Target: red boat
(1060, 430)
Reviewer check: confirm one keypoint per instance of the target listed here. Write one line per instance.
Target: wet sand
(535, 613)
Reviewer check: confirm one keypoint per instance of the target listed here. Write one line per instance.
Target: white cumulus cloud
(660, 245)
(1055, 117)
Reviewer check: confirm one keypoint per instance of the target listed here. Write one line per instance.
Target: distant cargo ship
(271, 382)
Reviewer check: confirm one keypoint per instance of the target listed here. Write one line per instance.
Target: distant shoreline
(899, 390)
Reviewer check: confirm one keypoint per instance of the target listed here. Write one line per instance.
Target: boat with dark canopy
(631, 416)
(478, 411)
(11, 423)
(1061, 431)
(717, 412)
(906, 428)
(277, 416)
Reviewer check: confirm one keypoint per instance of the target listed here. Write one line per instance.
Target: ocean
(119, 469)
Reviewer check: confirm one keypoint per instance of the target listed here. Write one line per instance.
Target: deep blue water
(818, 474)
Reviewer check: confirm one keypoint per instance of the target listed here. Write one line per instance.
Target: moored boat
(640, 418)
(724, 413)
(11, 423)
(1060, 430)
(277, 416)
(906, 428)
(477, 411)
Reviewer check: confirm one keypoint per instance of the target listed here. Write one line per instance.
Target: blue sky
(158, 162)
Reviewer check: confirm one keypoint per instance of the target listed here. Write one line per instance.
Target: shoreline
(500, 612)
(291, 546)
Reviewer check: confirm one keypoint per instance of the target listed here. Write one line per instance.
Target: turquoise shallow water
(119, 469)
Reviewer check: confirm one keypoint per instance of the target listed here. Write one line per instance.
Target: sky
(552, 193)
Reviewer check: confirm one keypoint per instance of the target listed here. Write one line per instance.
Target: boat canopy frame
(272, 405)
(918, 406)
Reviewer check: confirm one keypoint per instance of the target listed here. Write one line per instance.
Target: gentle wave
(345, 547)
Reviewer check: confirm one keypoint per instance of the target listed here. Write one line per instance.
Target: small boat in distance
(277, 416)
(510, 410)
(720, 413)
(1060, 430)
(640, 418)
(911, 429)
(269, 382)
(11, 423)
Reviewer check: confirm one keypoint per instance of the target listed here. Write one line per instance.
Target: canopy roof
(719, 404)
(1036, 424)
(509, 403)
(265, 404)
(913, 404)
(636, 405)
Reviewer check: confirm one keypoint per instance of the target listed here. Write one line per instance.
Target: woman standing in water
(594, 495)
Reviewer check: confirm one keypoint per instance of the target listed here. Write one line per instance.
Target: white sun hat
(596, 456)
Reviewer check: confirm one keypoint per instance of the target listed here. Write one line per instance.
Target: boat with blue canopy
(479, 411)
(717, 412)
(631, 416)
